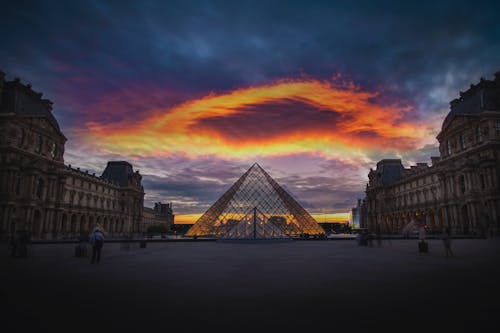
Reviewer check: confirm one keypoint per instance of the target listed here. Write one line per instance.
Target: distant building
(461, 189)
(160, 215)
(357, 215)
(40, 194)
(181, 229)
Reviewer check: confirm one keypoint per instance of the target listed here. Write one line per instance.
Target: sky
(192, 93)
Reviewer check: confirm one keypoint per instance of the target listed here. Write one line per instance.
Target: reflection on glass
(255, 206)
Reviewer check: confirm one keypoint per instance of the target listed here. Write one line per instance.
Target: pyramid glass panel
(255, 225)
(255, 198)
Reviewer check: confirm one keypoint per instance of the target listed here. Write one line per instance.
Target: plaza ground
(300, 285)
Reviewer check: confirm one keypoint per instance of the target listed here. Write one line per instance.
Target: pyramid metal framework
(255, 207)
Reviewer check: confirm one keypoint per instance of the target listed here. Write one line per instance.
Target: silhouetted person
(422, 244)
(97, 242)
(447, 242)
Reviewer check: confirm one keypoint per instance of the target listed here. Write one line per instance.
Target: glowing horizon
(320, 218)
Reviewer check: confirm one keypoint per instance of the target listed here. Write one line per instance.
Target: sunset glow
(287, 116)
(320, 218)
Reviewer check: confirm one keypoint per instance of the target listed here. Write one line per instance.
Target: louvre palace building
(461, 187)
(42, 195)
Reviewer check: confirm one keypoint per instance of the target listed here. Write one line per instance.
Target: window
(53, 150)
(22, 135)
(462, 141)
(39, 144)
(483, 183)
(461, 183)
(448, 147)
(479, 134)
(39, 188)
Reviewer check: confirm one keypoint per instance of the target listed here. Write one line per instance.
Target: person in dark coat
(97, 242)
(447, 242)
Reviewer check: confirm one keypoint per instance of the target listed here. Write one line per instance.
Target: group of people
(365, 238)
(18, 244)
(96, 240)
(445, 237)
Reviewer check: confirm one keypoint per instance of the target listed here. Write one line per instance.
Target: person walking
(422, 244)
(97, 242)
(447, 242)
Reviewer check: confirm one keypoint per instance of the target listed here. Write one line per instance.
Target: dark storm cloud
(270, 120)
(88, 48)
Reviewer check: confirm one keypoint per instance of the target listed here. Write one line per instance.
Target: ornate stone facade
(461, 188)
(160, 215)
(42, 195)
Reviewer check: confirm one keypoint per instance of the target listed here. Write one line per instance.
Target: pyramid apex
(255, 165)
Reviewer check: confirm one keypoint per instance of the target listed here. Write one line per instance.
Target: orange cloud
(287, 116)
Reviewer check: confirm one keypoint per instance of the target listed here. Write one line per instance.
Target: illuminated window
(479, 134)
(39, 144)
(53, 150)
(463, 142)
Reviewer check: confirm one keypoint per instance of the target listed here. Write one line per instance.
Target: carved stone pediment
(48, 128)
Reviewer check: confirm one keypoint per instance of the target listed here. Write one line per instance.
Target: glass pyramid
(255, 207)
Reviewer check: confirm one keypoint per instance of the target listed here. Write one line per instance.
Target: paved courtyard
(297, 285)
